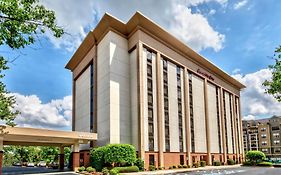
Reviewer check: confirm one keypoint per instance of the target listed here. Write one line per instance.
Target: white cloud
(55, 115)
(249, 117)
(236, 71)
(212, 12)
(175, 16)
(240, 4)
(254, 100)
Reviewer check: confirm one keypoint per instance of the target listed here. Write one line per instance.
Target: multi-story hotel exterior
(136, 83)
(263, 135)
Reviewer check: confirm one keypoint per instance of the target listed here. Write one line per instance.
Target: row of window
(180, 108)
(166, 105)
(150, 100)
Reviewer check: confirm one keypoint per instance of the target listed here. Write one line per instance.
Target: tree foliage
(117, 154)
(255, 156)
(21, 21)
(34, 154)
(273, 86)
(114, 155)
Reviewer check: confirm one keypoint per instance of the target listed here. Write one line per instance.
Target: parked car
(30, 164)
(42, 164)
(54, 165)
(17, 164)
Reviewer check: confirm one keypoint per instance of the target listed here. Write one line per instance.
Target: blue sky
(236, 35)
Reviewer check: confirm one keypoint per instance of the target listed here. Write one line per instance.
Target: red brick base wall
(61, 161)
(85, 155)
(75, 160)
(173, 158)
(1, 161)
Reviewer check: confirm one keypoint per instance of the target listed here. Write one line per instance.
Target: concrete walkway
(182, 170)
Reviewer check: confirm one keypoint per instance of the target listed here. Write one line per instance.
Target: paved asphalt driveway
(33, 170)
(238, 171)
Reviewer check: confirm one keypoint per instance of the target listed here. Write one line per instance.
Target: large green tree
(21, 23)
(273, 86)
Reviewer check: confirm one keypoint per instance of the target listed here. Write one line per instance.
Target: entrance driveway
(33, 170)
(237, 171)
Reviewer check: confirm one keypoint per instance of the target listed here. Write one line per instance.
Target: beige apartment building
(263, 135)
(136, 83)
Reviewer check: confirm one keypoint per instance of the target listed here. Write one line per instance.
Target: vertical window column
(150, 100)
(225, 122)
(166, 105)
(218, 118)
(91, 98)
(180, 108)
(237, 125)
(231, 122)
(191, 113)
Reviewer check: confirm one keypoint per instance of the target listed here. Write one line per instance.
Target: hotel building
(136, 83)
(263, 135)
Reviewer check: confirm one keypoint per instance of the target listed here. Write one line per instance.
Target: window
(150, 129)
(218, 118)
(263, 136)
(150, 113)
(275, 128)
(149, 84)
(166, 103)
(264, 150)
(165, 89)
(264, 143)
(151, 160)
(151, 144)
(263, 129)
(277, 150)
(276, 135)
(165, 77)
(150, 99)
(149, 70)
(182, 159)
(276, 141)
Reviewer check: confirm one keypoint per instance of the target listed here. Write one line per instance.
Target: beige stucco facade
(154, 92)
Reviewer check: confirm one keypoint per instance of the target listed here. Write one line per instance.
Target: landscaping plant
(255, 157)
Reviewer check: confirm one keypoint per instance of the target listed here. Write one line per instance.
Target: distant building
(263, 135)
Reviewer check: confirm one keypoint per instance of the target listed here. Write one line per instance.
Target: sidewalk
(162, 172)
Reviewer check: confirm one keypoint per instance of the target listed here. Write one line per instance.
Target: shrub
(255, 156)
(170, 167)
(90, 169)
(217, 163)
(161, 168)
(113, 172)
(202, 163)
(174, 166)
(266, 164)
(180, 166)
(82, 168)
(151, 168)
(127, 169)
(185, 166)
(105, 171)
(139, 163)
(97, 157)
(117, 154)
(230, 162)
(196, 165)
(247, 163)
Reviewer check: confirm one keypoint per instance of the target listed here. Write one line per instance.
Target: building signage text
(205, 74)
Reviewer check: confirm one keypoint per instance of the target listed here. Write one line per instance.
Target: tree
(255, 156)
(21, 22)
(273, 86)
